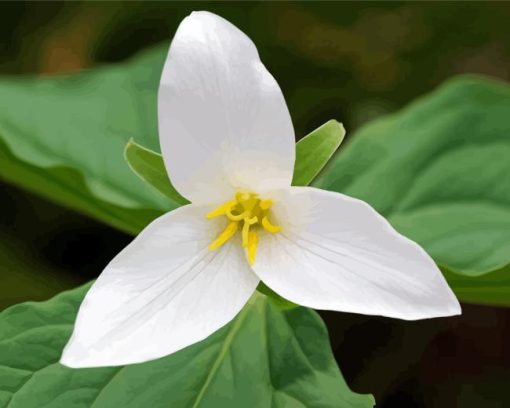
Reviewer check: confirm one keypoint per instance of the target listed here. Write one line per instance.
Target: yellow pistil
(246, 229)
(252, 212)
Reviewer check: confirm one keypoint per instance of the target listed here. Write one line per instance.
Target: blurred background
(349, 61)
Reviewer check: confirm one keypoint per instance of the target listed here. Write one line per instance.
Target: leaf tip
(128, 145)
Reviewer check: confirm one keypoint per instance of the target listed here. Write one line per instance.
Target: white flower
(228, 144)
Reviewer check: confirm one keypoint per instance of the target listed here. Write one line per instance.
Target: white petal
(163, 292)
(223, 121)
(338, 253)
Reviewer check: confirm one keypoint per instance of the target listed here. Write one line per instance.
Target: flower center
(249, 212)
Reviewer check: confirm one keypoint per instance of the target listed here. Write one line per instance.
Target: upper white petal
(163, 292)
(223, 121)
(338, 253)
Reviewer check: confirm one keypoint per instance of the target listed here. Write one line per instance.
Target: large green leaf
(63, 137)
(492, 288)
(439, 171)
(266, 357)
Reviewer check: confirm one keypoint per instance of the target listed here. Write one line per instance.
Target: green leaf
(266, 357)
(149, 166)
(66, 186)
(278, 300)
(438, 170)
(492, 289)
(314, 150)
(63, 137)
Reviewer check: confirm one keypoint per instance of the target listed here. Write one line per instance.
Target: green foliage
(492, 288)
(278, 300)
(265, 357)
(63, 137)
(438, 170)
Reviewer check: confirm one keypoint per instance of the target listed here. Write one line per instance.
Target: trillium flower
(228, 144)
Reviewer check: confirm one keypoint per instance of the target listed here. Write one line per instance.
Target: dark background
(349, 61)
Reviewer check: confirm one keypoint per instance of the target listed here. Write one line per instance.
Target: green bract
(264, 357)
(314, 151)
(438, 171)
(149, 166)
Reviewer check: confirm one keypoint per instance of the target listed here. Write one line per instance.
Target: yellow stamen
(253, 241)
(248, 209)
(233, 217)
(224, 236)
(246, 229)
(270, 227)
(222, 209)
(265, 204)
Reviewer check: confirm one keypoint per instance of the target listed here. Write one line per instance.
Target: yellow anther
(253, 241)
(222, 209)
(252, 212)
(224, 236)
(265, 204)
(246, 229)
(270, 227)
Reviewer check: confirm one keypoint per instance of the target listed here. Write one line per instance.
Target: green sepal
(314, 151)
(149, 166)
